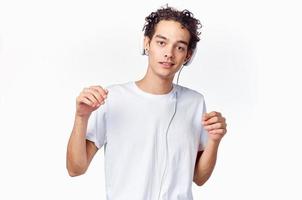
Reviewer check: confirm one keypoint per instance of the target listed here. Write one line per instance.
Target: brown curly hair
(184, 17)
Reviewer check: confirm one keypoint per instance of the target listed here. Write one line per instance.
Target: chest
(145, 124)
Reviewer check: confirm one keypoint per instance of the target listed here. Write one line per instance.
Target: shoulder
(189, 93)
(118, 87)
(114, 94)
(118, 92)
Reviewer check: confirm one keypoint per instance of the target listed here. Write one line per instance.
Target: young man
(157, 136)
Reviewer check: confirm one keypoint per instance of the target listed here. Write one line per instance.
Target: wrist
(214, 143)
(81, 117)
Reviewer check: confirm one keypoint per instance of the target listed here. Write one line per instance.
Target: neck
(154, 84)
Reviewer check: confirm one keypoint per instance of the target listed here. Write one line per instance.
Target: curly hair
(184, 17)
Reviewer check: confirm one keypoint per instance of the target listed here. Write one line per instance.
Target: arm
(79, 150)
(215, 125)
(205, 163)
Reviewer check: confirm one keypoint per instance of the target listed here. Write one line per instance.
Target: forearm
(206, 163)
(76, 149)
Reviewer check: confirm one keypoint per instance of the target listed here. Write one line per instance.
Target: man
(157, 136)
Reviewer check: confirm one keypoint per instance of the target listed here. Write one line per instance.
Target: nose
(169, 52)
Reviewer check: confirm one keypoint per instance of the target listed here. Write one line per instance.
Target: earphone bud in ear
(189, 61)
(146, 52)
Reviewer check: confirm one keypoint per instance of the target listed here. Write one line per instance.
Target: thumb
(205, 116)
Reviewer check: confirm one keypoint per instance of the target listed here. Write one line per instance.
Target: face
(168, 48)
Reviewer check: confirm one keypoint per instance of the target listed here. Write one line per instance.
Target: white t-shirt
(132, 126)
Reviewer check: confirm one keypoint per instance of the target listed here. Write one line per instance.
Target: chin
(165, 74)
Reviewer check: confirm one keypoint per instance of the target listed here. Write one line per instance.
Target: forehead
(172, 30)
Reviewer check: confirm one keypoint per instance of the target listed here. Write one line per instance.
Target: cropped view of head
(176, 31)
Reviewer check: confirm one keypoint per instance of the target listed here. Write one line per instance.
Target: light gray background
(247, 66)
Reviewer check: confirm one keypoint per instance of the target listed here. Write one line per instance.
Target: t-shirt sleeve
(96, 127)
(203, 139)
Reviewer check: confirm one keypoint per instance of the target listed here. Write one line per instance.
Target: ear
(146, 44)
(188, 57)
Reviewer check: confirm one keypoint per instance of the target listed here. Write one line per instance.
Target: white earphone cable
(167, 149)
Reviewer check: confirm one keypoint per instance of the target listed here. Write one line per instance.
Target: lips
(166, 64)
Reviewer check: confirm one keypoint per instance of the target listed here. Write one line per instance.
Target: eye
(180, 48)
(161, 43)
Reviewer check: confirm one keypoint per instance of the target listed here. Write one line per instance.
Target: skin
(167, 51)
(168, 44)
(79, 150)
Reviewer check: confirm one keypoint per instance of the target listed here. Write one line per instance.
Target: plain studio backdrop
(247, 67)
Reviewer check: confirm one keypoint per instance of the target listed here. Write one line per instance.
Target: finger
(101, 91)
(86, 101)
(207, 116)
(211, 120)
(217, 131)
(100, 87)
(91, 97)
(214, 126)
(96, 104)
(97, 95)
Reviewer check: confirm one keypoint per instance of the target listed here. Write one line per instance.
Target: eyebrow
(179, 41)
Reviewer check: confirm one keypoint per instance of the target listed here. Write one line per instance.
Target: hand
(215, 125)
(89, 100)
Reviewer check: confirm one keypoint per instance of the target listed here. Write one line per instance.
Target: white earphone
(175, 109)
(145, 52)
